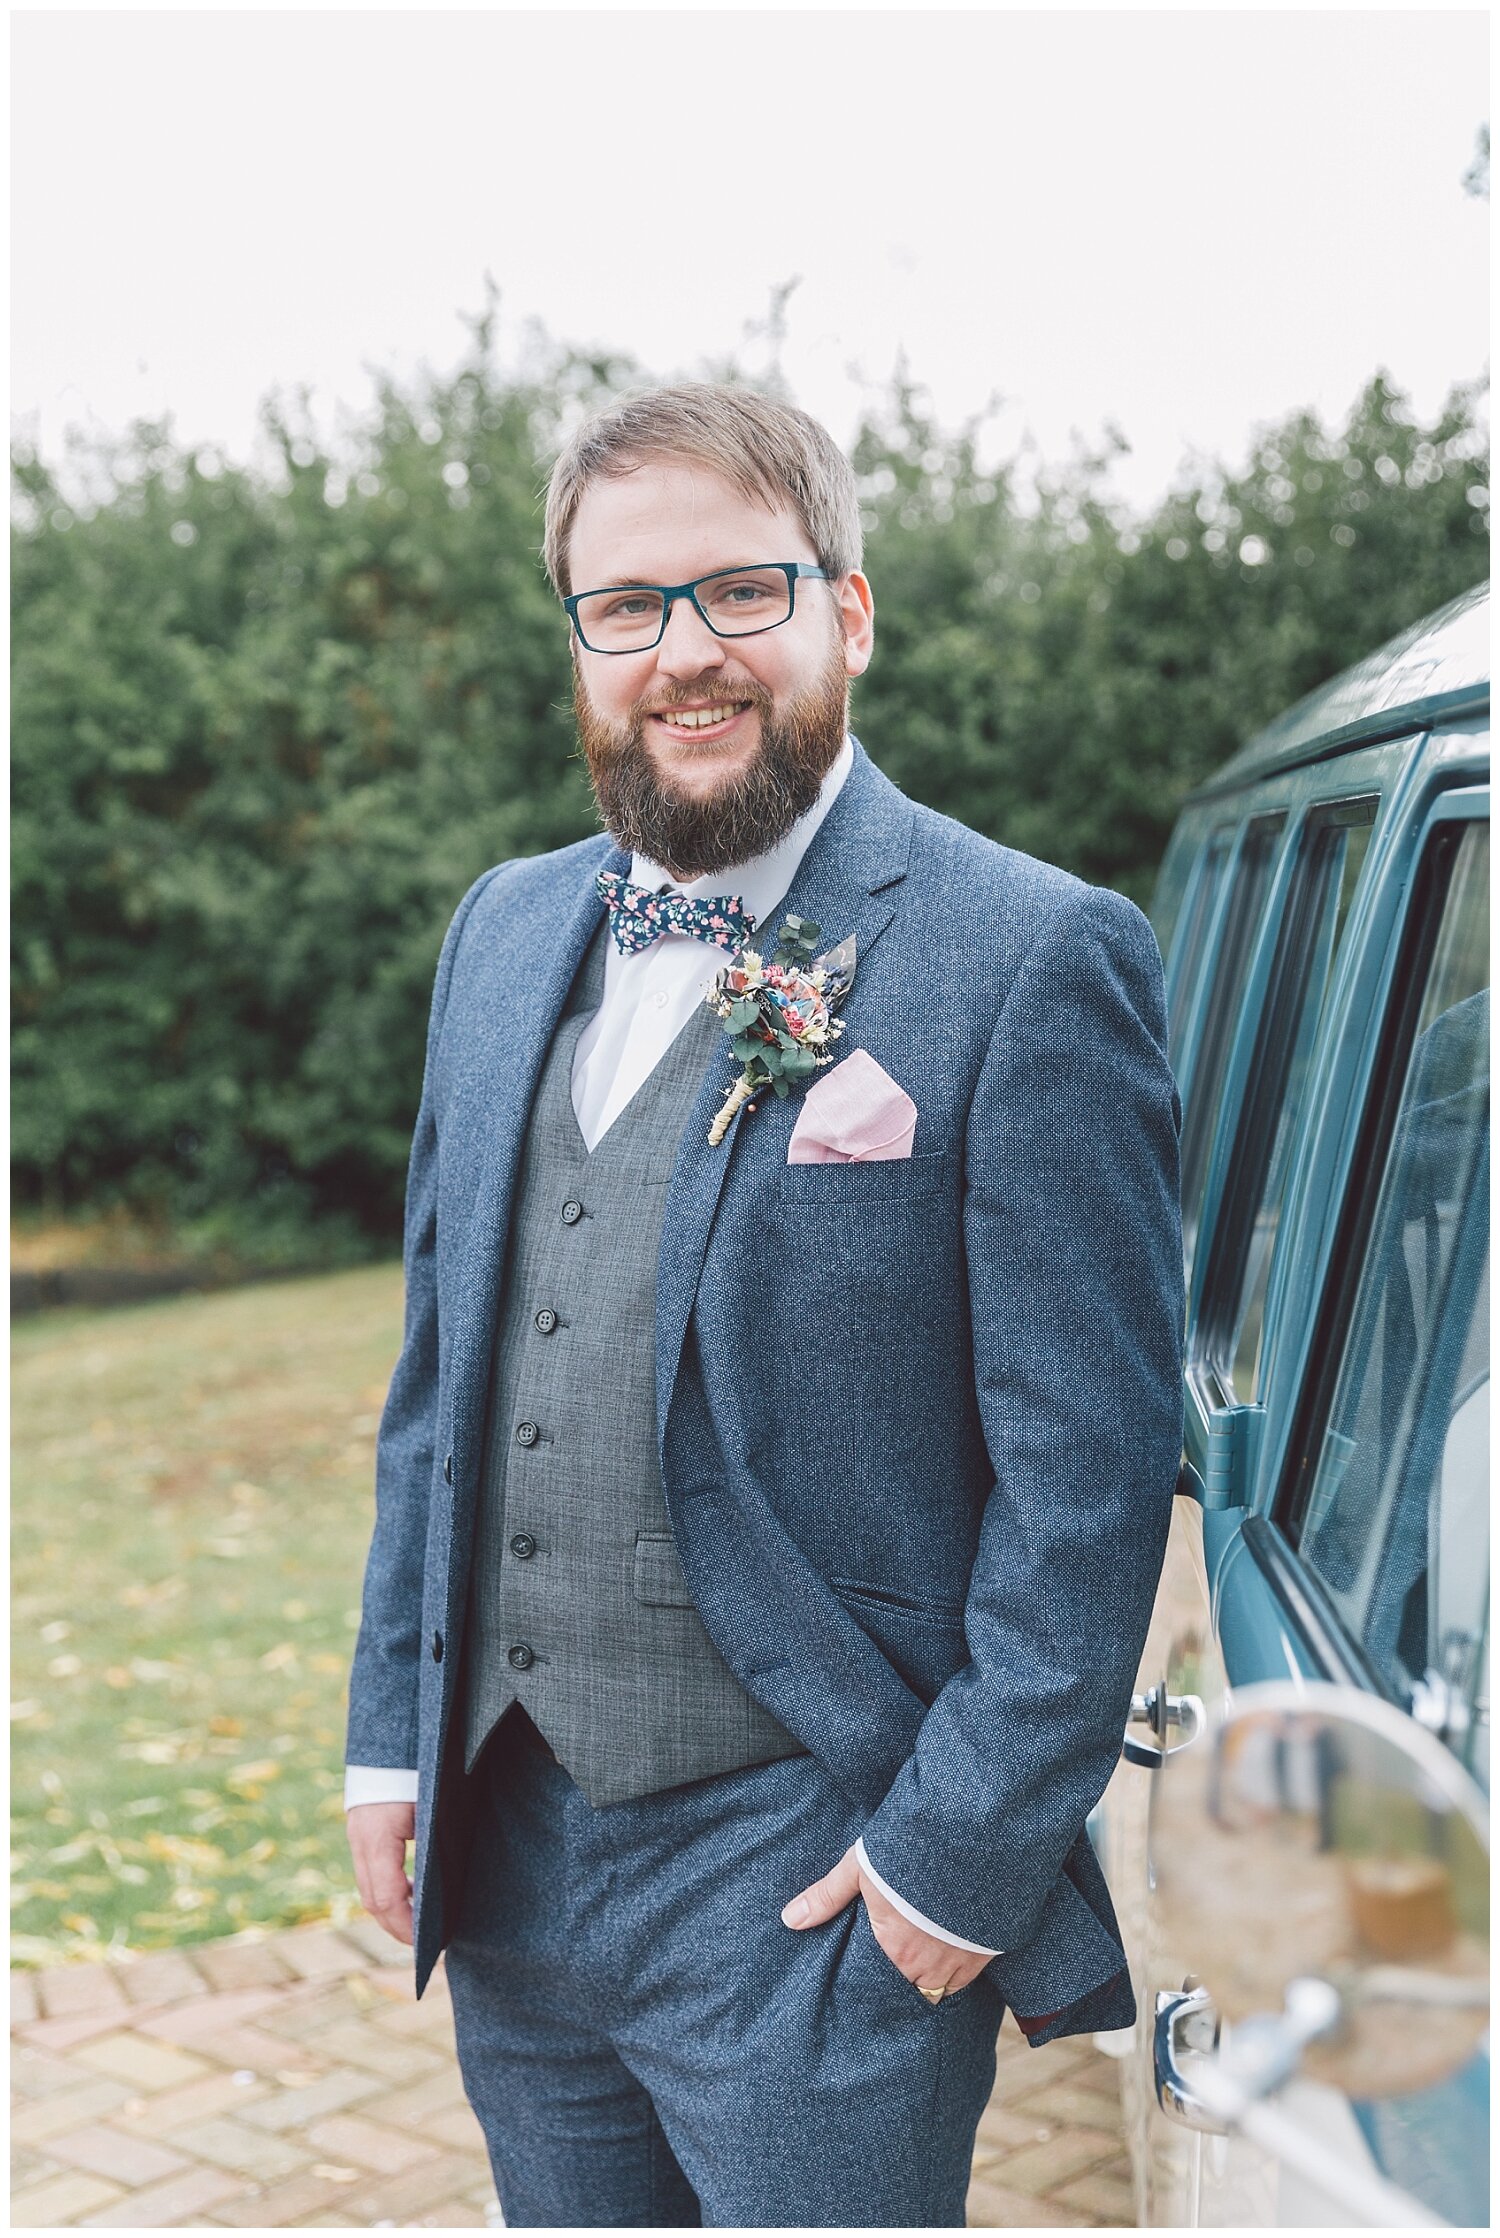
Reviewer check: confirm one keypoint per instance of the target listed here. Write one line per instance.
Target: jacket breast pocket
(849, 1183)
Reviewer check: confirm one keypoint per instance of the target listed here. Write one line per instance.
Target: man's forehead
(667, 520)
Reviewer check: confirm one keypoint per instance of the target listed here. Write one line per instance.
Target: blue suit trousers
(645, 2044)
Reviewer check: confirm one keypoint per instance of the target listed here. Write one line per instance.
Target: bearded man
(774, 1480)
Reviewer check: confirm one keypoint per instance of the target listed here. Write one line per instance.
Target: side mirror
(1324, 1860)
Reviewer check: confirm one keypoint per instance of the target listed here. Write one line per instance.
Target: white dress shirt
(648, 999)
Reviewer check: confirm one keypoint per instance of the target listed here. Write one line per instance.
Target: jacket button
(447, 1468)
(546, 1321)
(523, 1546)
(572, 1211)
(520, 1657)
(437, 1647)
(527, 1433)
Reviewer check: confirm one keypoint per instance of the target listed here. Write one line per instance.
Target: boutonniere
(779, 1015)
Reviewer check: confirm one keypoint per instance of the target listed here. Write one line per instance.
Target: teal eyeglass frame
(795, 571)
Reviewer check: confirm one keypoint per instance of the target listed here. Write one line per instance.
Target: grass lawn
(192, 1498)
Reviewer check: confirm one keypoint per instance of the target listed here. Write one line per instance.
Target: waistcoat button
(447, 1468)
(526, 1433)
(572, 1211)
(523, 1546)
(520, 1657)
(437, 1647)
(546, 1321)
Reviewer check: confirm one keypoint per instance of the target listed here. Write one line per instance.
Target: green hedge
(267, 728)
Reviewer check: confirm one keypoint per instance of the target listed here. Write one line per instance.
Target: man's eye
(740, 593)
(631, 607)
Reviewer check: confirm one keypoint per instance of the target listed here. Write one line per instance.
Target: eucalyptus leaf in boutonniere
(779, 1015)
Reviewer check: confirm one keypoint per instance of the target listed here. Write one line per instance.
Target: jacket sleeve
(1073, 1239)
(383, 1682)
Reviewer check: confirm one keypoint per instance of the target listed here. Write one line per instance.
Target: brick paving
(293, 2081)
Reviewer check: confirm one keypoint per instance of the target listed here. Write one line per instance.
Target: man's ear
(857, 615)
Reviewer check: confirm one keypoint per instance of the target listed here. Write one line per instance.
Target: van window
(1251, 883)
(1173, 883)
(1331, 850)
(1189, 963)
(1392, 1507)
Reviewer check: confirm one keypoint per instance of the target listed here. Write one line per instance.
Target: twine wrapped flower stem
(737, 1095)
(779, 1015)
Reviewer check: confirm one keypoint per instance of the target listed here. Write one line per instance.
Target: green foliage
(1061, 677)
(265, 736)
(796, 942)
(267, 728)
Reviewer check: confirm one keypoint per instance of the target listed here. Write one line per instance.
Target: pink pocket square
(855, 1111)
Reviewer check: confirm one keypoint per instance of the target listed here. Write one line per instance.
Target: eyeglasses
(734, 601)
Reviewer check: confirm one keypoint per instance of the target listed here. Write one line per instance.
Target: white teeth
(698, 718)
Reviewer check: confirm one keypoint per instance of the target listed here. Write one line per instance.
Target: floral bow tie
(637, 916)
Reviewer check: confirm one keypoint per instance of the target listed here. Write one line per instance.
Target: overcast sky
(1182, 222)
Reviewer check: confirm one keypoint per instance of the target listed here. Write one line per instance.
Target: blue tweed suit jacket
(919, 1420)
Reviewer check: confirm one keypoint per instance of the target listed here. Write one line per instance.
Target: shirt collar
(760, 882)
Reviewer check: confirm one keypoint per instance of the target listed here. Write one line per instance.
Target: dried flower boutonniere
(779, 1015)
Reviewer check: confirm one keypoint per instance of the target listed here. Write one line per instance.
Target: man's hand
(378, 1835)
(924, 1959)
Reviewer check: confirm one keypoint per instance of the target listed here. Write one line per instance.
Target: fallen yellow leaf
(243, 1775)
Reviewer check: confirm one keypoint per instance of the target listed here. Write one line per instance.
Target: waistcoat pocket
(659, 1575)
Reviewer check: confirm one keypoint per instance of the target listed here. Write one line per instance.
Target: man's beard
(694, 835)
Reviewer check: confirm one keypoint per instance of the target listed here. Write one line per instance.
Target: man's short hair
(769, 450)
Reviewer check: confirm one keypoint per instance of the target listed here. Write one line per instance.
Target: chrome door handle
(1165, 1713)
(1185, 2021)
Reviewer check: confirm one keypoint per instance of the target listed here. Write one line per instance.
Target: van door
(1261, 1103)
(1372, 1564)
(1250, 1603)
(1383, 1511)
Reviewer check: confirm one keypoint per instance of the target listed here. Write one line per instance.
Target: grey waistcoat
(578, 1606)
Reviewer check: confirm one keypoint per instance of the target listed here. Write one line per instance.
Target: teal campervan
(1296, 1837)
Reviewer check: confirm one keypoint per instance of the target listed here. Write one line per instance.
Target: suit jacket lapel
(847, 882)
(522, 1019)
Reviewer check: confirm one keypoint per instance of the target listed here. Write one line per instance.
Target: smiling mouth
(701, 722)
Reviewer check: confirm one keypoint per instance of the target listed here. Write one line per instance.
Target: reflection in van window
(1188, 964)
(1331, 852)
(1396, 1523)
(1241, 924)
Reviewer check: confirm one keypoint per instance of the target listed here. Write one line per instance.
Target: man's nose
(688, 646)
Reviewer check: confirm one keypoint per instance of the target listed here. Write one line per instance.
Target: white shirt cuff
(909, 1911)
(370, 1783)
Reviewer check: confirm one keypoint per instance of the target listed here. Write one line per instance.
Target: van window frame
(1244, 1158)
(1270, 1534)
(1201, 905)
(1272, 1537)
(1239, 925)
(1367, 1167)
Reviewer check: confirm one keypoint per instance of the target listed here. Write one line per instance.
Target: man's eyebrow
(651, 582)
